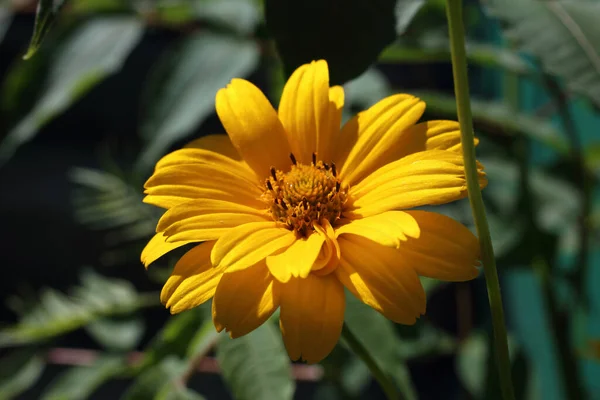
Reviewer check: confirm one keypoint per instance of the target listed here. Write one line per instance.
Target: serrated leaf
(57, 313)
(78, 383)
(256, 366)
(92, 52)
(563, 35)
(349, 35)
(182, 90)
(46, 13)
(117, 334)
(18, 371)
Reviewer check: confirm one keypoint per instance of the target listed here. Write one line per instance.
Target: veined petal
(430, 135)
(304, 109)
(176, 184)
(444, 249)
(250, 243)
(327, 143)
(158, 247)
(312, 315)
(389, 229)
(329, 256)
(426, 178)
(297, 260)
(253, 126)
(244, 300)
(218, 143)
(381, 278)
(206, 219)
(193, 280)
(377, 129)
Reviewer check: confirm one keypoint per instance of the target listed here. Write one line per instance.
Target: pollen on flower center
(305, 195)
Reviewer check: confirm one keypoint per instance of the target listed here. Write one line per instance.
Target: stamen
(314, 158)
(337, 186)
(273, 173)
(282, 204)
(333, 171)
(269, 186)
(293, 158)
(326, 167)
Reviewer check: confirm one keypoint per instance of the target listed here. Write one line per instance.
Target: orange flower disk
(289, 209)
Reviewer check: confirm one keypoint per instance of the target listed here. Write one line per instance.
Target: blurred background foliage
(94, 92)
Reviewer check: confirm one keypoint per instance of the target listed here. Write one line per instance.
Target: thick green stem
(361, 351)
(463, 105)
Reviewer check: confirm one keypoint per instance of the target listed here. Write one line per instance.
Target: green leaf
(378, 335)
(91, 53)
(499, 115)
(19, 371)
(5, 21)
(349, 35)
(152, 381)
(78, 383)
(182, 89)
(240, 16)
(256, 366)
(57, 313)
(563, 35)
(178, 392)
(405, 11)
(435, 48)
(46, 13)
(117, 334)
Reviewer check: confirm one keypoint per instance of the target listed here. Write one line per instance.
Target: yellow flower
(290, 209)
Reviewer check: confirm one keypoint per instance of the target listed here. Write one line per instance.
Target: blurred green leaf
(256, 366)
(117, 334)
(240, 16)
(177, 392)
(181, 92)
(5, 21)
(499, 115)
(349, 35)
(92, 52)
(175, 337)
(46, 13)
(378, 335)
(203, 340)
(78, 383)
(152, 381)
(563, 35)
(19, 371)
(104, 201)
(435, 48)
(405, 11)
(57, 313)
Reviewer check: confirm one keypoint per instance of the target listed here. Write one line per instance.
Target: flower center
(305, 195)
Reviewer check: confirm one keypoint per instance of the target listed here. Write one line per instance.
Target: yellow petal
(444, 249)
(248, 244)
(389, 229)
(253, 126)
(430, 135)
(193, 280)
(329, 256)
(327, 144)
(312, 315)
(381, 278)
(245, 300)
(297, 260)
(206, 219)
(218, 143)
(176, 184)
(158, 247)
(378, 127)
(426, 178)
(304, 109)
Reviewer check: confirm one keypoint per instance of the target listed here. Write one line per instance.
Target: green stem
(361, 351)
(463, 105)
